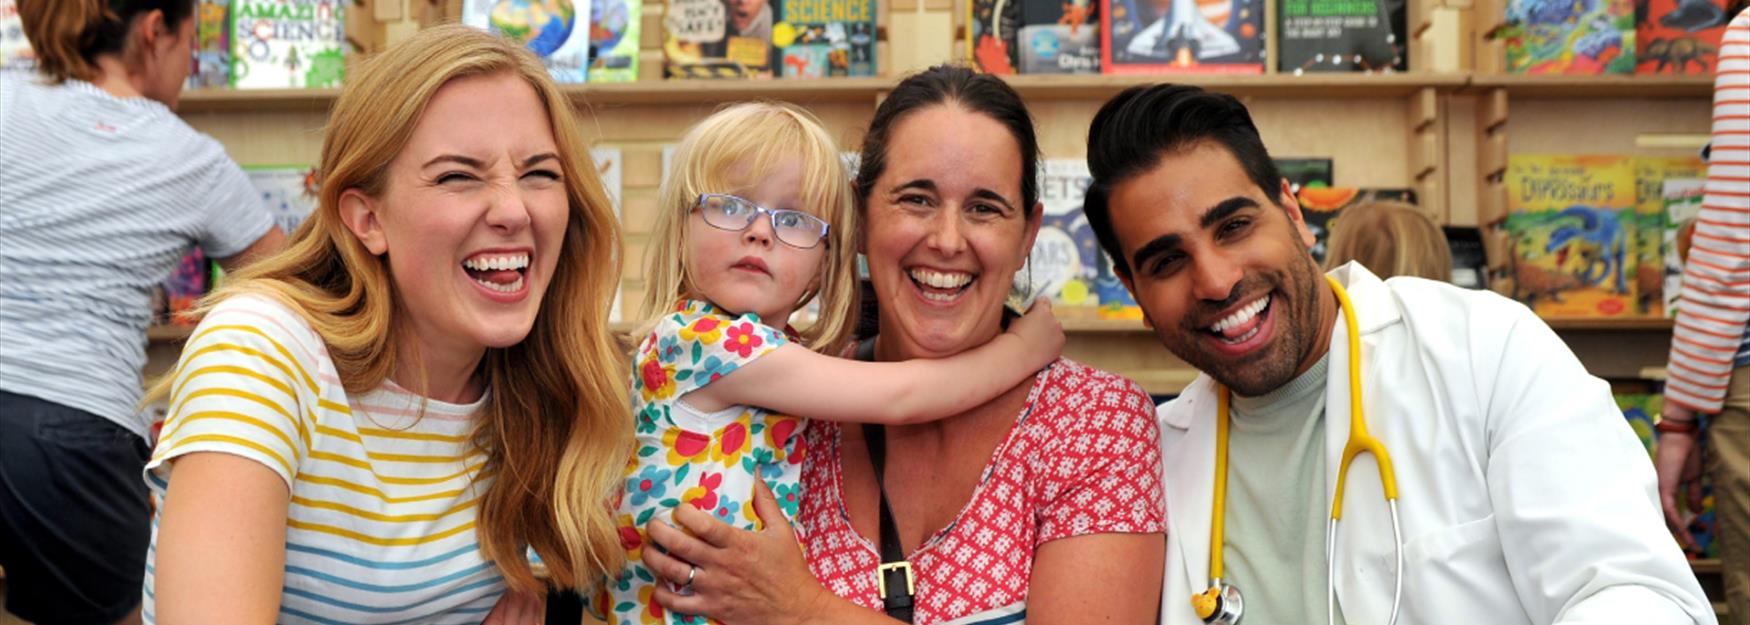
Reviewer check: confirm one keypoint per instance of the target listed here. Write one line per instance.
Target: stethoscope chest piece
(1220, 605)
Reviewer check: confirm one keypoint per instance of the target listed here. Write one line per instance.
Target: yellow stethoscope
(1222, 604)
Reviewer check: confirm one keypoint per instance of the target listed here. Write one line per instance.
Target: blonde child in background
(757, 220)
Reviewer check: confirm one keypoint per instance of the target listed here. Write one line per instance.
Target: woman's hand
(1679, 469)
(737, 576)
(517, 608)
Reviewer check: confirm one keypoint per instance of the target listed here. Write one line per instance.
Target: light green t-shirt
(1275, 540)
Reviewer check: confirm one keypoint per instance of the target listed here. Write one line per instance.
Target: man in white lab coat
(1524, 496)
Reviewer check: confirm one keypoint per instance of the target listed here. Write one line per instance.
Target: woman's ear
(359, 212)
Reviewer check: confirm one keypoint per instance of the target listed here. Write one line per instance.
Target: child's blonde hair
(1390, 239)
(737, 147)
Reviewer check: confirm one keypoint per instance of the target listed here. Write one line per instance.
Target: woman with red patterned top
(1042, 505)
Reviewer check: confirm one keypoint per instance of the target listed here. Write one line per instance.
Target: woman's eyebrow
(922, 184)
(987, 194)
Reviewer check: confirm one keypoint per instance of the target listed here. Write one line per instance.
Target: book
(557, 31)
(1680, 199)
(1570, 36)
(821, 38)
(1567, 233)
(1648, 227)
(212, 45)
(1059, 37)
(1065, 261)
(1321, 206)
(1143, 36)
(614, 28)
(1679, 36)
(1306, 172)
(289, 192)
(717, 39)
(15, 52)
(1115, 300)
(280, 44)
(185, 287)
(1342, 36)
(990, 34)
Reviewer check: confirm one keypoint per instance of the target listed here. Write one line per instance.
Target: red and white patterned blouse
(1082, 458)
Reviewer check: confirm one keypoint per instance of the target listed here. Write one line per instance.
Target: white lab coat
(1524, 496)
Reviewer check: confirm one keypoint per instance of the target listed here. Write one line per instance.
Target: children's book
(557, 31)
(280, 44)
(1115, 300)
(1144, 36)
(1568, 226)
(1570, 36)
(1306, 172)
(1065, 262)
(614, 26)
(184, 288)
(1648, 226)
(991, 27)
(1681, 201)
(1679, 36)
(821, 38)
(718, 39)
(289, 192)
(212, 45)
(1342, 36)
(15, 52)
(1321, 206)
(1059, 37)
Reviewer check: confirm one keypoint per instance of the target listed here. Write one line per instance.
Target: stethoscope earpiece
(1220, 605)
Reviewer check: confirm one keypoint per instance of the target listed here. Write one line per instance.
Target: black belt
(894, 576)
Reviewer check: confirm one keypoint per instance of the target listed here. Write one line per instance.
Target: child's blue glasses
(727, 212)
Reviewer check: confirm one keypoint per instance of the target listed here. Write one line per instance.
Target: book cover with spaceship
(1148, 36)
(1342, 36)
(991, 26)
(1679, 36)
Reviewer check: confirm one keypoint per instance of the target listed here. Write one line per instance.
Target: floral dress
(685, 456)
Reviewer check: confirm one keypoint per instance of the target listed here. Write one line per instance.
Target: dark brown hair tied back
(69, 35)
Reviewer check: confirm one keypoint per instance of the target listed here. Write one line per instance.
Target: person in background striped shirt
(375, 425)
(1709, 370)
(103, 189)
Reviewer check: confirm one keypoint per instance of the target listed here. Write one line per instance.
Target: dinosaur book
(819, 38)
(1342, 36)
(279, 44)
(1648, 266)
(1678, 36)
(1681, 198)
(1568, 226)
(557, 31)
(1060, 37)
(1209, 36)
(1570, 36)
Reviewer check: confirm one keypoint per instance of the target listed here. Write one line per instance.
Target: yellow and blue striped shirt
(384, 485)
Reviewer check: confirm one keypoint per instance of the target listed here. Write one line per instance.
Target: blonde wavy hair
(734, 148)
(1390, 239)
(557, 428)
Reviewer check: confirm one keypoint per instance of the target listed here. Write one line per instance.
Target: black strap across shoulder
(894, 575)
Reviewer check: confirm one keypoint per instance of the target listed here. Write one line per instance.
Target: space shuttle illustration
(1183, 33)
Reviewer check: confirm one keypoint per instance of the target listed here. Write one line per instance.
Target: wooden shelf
(1324, 85)
(1614, 86)
(1707, 567)
(1610, 324)
(168, 333)
(256, 100)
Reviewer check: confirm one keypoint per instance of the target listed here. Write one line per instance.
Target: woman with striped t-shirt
(374, 426)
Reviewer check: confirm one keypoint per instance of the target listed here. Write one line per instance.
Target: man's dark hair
(983, 94)
(1135, 129)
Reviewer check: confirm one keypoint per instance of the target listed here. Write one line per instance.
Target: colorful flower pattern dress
(685, 456)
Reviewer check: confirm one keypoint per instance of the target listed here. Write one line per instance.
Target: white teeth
(510, 287)
(497, 263)
(1241, 316)
(941, 280)
(1241, 338)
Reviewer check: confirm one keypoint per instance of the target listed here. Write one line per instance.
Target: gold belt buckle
(881, 577)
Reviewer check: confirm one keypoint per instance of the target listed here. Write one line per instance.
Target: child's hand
(1040, 331)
